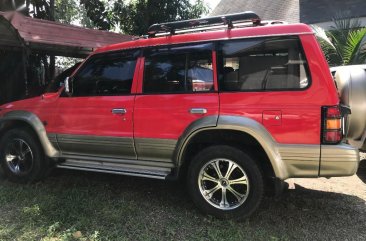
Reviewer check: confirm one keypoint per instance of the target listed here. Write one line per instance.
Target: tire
(21, 156)
(221, 197)
(351, 83)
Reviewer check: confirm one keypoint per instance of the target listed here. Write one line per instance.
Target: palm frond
(353, 52)
(330, 50)
(343, 25)
(344, 43)
(320, 33)
(344, 21)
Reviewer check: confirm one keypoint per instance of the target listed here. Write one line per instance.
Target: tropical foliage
(135, 16)
(344, 43)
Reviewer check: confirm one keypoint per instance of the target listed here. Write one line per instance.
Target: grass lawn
(72, 205)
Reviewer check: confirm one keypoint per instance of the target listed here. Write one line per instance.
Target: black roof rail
(228, 20)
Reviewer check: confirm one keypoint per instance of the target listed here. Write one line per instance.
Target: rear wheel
(21, 156)
(225, 182)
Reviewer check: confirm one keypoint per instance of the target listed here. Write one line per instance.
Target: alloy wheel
(223, 184)
(19, 157)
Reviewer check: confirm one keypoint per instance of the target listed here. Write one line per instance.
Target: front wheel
(21, 156)
(225, 182)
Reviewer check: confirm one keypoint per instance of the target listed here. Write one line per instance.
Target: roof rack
(204, 23)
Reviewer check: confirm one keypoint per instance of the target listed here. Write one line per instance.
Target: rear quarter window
(262, 64)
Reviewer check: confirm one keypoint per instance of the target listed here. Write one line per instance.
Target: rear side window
(105, 75)
(178, 70)
(262, 64)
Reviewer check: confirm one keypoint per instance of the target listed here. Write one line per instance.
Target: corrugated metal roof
(43, 35)
(325, 10)
(284, 10)
(293, 11)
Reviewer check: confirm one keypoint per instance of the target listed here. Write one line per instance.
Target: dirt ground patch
(72, 205)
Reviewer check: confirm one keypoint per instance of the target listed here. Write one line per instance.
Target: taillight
(332, 125)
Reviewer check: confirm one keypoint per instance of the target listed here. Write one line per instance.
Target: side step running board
(114, 168)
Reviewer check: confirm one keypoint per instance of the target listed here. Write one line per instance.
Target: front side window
(262, 64)
(178, 72)
(105, 75)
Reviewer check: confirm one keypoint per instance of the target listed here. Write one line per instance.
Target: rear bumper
(317, 160)
(338, 160)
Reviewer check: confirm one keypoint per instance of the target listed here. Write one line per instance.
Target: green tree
(98, 14)
(134, 17)
(72, 12)
(66, 11)
(343, 44)
(143, 13)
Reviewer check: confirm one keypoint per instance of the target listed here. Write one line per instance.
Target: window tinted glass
(178, 73)
(110, 74)
(262, 64)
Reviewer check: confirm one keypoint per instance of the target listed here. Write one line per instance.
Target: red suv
(229, 103)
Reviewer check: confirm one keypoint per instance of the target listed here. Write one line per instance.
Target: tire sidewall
(38, 158)
(254, 175)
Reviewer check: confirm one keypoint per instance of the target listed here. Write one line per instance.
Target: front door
(96, 120)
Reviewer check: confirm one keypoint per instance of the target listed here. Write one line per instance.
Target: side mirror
(67, 84)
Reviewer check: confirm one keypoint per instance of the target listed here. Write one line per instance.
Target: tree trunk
(52, 10)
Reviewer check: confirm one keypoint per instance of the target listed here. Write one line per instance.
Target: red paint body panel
(139, 69)
(167, 115)
(325, 91)
(45, 109)
(272, 118)
(300, 121)
(93, 116)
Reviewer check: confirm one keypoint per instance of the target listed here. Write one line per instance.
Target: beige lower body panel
(318, 160)
(300, 160)
(338, 160)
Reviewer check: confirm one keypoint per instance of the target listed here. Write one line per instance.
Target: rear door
(177, 88)
(267, 79)
(97, 118)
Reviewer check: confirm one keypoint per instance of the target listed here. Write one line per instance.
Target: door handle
(120, 111)
(198, 111)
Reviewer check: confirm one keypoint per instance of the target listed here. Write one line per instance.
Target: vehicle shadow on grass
(311, 214)
(129, 207)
